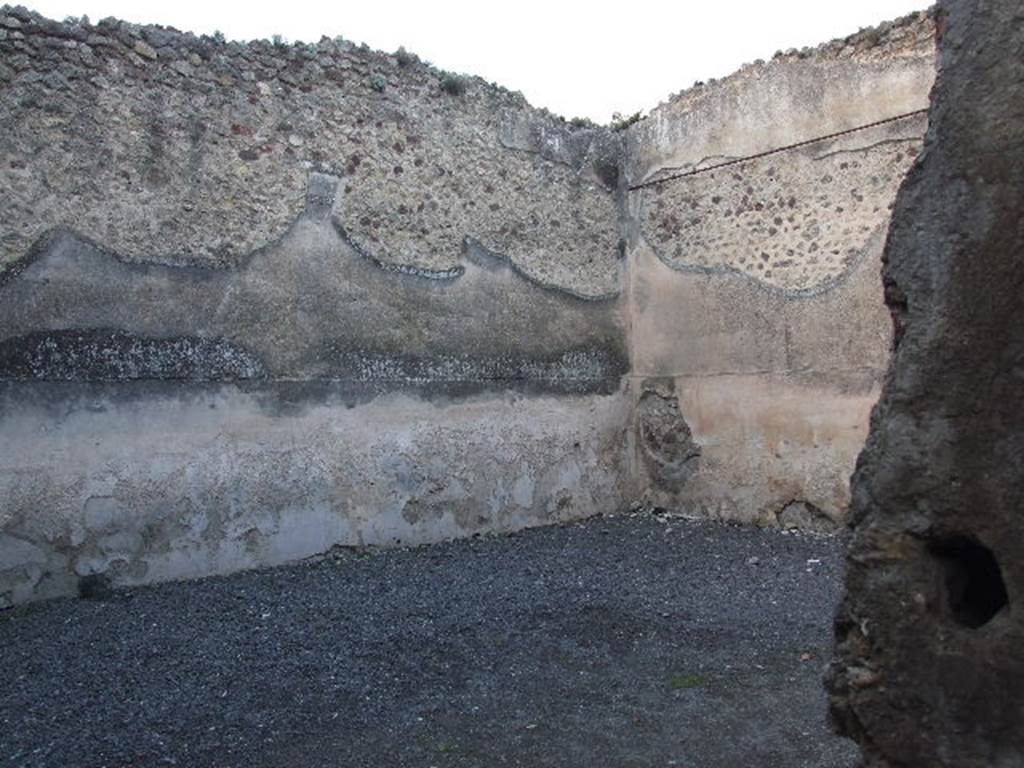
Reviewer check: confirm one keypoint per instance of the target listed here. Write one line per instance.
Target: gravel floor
(629, 641)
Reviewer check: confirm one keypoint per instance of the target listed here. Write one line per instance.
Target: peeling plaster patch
(569, 477)
(19, 554)
(302, 533)
(102, 512)
(667, 447)
(213, 490)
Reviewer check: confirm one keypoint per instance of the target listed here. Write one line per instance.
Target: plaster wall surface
(844, 84)
(754, 287)
(148, 481)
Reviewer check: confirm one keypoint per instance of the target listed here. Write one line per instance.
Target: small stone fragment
(144, 50)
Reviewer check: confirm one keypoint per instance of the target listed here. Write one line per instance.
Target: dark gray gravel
(630, 641)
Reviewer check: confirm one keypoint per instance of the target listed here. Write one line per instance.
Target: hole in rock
(974, 587)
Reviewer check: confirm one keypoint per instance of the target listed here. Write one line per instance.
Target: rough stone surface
(805, 516)
(619, 642)
(117, 356)
(797, 223)
(929, 666)
(161, 146)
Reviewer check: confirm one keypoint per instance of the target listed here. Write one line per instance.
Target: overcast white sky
(585, 59)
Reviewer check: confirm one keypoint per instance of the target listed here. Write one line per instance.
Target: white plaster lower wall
(209, 482)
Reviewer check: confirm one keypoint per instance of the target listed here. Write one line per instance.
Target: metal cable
(777, 150)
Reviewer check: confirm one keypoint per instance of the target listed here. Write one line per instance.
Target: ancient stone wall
(164, 147)
(929, 664)
(758, 207)
(259, 300)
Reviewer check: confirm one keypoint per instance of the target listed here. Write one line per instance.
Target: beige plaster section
(697, 324)
(768, 441)
(795, 97)
(776, 391)
(184, 485)
(755, 299)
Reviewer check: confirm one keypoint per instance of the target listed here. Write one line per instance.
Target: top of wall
(165, 147)
(873, 75)
(162, 146)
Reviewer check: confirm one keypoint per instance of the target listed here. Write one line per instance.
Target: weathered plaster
(754, 286)
(777, 391)
(152, 481)
(310, 307)
(763, 442)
